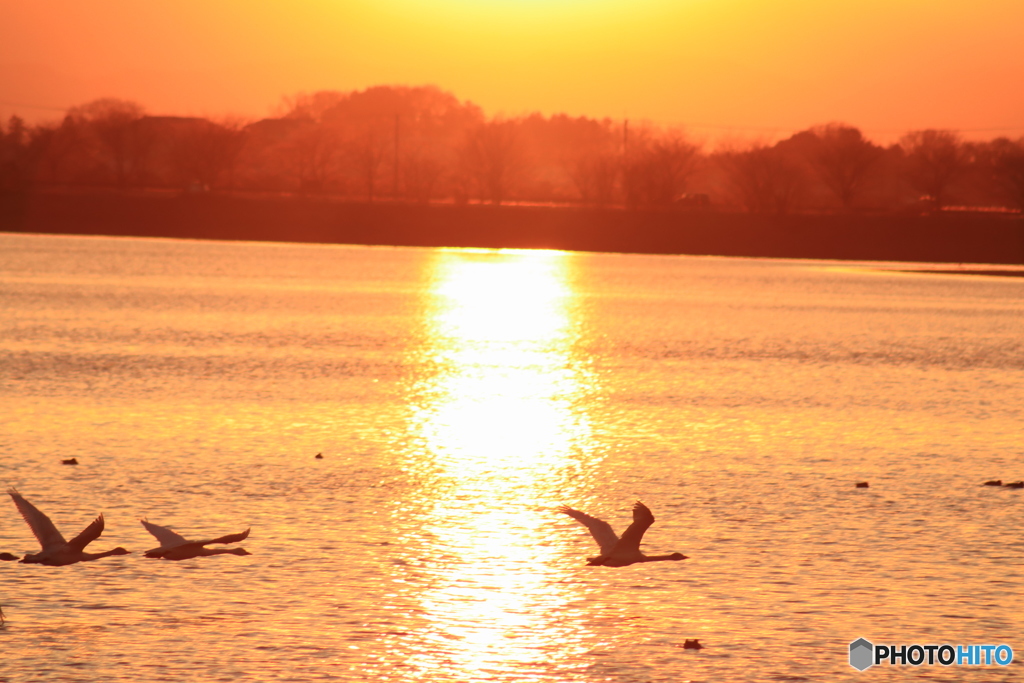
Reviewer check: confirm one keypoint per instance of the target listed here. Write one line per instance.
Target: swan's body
(56, 551)
(173, 546)
(616, 551)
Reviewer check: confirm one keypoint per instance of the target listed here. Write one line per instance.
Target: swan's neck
(663, 558)
(107, 553)
(206, 552)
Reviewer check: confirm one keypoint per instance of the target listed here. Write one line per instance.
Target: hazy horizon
(736, 68)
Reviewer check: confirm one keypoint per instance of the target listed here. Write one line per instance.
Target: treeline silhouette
(422, 145)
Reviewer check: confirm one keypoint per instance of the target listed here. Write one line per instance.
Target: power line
(32, 106)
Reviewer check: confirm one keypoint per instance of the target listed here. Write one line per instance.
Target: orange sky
(723, 68)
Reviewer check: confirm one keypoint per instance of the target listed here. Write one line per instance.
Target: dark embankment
(950, 237)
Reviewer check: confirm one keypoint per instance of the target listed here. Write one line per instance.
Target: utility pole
(394, 192)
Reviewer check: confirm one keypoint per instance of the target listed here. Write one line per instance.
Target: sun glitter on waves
(500, 426)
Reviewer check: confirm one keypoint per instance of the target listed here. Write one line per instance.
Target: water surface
(458, 397)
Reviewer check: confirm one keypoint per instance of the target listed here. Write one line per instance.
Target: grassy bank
(949, 237)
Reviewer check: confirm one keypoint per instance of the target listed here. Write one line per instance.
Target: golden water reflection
(501, 342)
(502, 428)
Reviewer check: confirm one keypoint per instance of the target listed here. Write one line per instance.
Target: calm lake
(459, 397)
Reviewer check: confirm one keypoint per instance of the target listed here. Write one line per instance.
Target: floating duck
(862, 485)
(69, 461)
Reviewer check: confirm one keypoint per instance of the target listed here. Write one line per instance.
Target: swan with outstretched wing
(57, 552)
(174, 546)
(619, 551)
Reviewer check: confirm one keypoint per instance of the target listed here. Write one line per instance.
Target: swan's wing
(643, 518)
(184, 551)
(167, 538)
(44, 530)
(230, 538)
(88, 535)
(601, 531)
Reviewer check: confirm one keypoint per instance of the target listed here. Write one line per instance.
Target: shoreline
(988, 272)
(954, 237)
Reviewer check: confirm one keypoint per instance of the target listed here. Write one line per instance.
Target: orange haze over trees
(721, 69)
(422, 144)
(770, 106)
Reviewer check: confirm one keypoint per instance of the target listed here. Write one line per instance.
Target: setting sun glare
(729, 67)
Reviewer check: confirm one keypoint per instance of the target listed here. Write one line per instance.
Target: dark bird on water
(994, 482)
(1015, 485)
(173, 546)
(862, 485)
(69, 461)
(7, 557)
(319, 456)
(56, 551)
(616, 551)
(692, 645)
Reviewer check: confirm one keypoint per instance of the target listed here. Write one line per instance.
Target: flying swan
(175, 547)
(56, 551)
(615, 551)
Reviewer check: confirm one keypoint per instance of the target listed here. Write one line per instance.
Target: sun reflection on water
(505, 391)
(501, 429)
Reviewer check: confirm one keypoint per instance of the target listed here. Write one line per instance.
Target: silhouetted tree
(591, 156)
(493, 159)
(123, 140)
(206, 152)
(311, 156)
(766, 179)
(842, 159)
(567, 156)
(936, 159)
(14, 155)
(368, 150)
(1004, 159)
(421, 142)
(310, 106)
(422, 172)
(58, 147)
(16, 135)
(595, 174)
(671, 161)
(656, 167)
(386, 126)
(635, 169)
(365, 121)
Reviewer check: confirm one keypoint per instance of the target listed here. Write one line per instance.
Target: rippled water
(458, 397)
